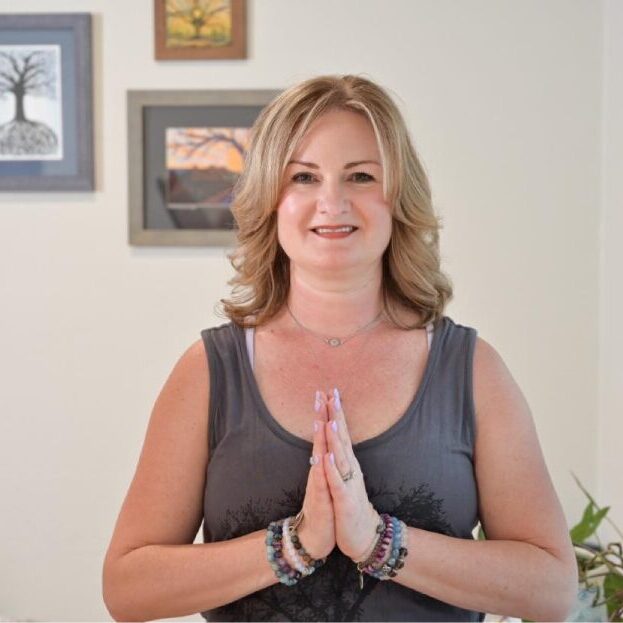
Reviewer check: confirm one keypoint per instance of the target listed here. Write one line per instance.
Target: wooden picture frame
(46, 114)
(200, 29)
(181, 166)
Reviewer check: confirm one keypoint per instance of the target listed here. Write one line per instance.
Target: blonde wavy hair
(412, 276)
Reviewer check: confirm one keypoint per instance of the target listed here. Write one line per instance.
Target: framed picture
(200, 29)
(186, 150)
(46, 119)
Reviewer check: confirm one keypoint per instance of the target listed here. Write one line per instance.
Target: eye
(302, 178)
(360, 176)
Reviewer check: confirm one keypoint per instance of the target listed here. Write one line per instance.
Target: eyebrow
(348, 165)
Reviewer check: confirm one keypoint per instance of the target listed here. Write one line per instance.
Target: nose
(332, 200)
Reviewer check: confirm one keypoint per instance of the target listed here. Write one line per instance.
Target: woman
(339, 407)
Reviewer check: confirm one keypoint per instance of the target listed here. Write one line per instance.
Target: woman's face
(335, 178)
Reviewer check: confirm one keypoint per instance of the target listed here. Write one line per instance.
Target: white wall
(610, 437)
(504, 100)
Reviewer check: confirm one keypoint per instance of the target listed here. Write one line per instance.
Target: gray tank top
(420, 469)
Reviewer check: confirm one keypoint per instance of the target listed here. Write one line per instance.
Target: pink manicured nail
(316, 426)
(336, 398)
(334, 425)
(332, 458)
(317, 402)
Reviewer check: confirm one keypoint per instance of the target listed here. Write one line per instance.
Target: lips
(333, 228)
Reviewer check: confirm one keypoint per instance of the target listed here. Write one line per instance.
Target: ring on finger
(348, 476)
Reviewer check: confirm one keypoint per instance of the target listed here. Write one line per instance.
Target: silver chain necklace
(333, 341)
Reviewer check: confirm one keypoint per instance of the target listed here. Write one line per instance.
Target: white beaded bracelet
(297, 561)
(403, 541)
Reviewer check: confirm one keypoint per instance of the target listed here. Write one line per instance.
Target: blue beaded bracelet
(395, 557)
(274, 552)
(383, 573)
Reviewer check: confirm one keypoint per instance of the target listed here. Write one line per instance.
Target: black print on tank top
(332, 593)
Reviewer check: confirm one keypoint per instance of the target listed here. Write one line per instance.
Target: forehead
(340, 130)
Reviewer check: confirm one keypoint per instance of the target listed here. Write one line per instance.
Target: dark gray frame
(138, 233)
(80, 25)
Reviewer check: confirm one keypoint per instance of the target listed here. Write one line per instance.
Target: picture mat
(37, 108)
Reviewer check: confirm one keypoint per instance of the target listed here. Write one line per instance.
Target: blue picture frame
(64, 41)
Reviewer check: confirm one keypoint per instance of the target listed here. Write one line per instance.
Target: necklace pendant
(334, 341)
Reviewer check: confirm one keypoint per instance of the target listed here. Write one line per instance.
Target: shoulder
(189, 378)
(194, 357)
(493, 383)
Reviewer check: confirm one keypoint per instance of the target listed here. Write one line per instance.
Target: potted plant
(600, 569)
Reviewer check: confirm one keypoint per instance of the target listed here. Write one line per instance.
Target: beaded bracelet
(389, 552)
(274, 552)
(280, 534)
(380, 528)
(397, 553)
(303, 562)
(377, 554)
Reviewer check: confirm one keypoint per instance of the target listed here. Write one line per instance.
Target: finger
(320, 405)
(336, 412)
(336, 446)
(320, 417)
(319, 447)
(334, 478)
(320, 440)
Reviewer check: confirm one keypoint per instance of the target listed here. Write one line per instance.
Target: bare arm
(153, 569)
(526, 568)
(163, 581)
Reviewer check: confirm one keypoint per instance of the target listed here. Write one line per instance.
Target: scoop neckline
(282, 432)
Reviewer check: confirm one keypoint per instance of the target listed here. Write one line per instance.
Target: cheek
(292, 214)
(384, 220)
(289, 223)
(287, 208)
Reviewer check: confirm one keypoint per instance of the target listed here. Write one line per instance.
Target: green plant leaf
(590, 499)
(613, 592)
(481, 534)
(581, 529)
(589, 523)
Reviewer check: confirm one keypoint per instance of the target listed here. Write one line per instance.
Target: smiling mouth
(328, 231)
(334, 234)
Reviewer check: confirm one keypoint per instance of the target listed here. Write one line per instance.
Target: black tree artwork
(30, 71)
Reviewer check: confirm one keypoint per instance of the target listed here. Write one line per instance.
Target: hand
(355, 517)
(317, 530)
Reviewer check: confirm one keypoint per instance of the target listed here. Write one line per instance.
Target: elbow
(563, 598)
(114, 612)
(113, 600)
(569, 587)
(118, 614)
(108, 593)
(112, 606)
(569, 598)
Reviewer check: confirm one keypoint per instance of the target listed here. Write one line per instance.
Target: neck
(335, 308)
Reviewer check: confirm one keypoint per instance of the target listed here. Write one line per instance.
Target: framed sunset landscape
(186, 151)
(200, 29)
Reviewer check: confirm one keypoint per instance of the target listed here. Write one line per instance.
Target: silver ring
(348, 476)
(313, 460)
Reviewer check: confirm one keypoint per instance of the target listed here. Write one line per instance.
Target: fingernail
(316, 426)
(317, 402)
(334, 425)
(332, 458)
(336, 397)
